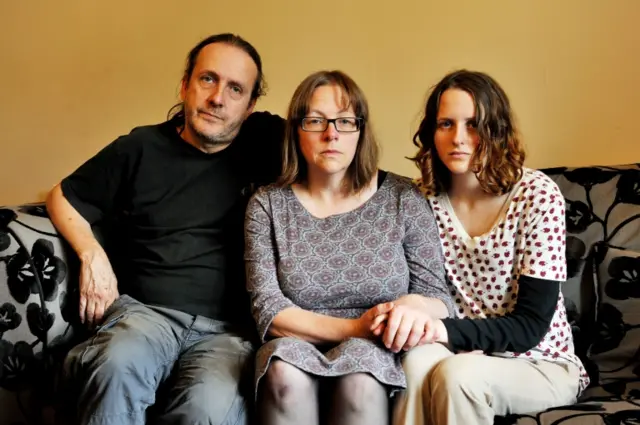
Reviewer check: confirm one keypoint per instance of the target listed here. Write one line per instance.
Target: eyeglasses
(342, 124)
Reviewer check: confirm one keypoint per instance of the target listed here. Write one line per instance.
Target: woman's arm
(274, 313)
(318, 328)
(428, 296)
(518, 331)
(423, 253)
(543, 267)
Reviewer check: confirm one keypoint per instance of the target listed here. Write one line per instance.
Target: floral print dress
(340, 266)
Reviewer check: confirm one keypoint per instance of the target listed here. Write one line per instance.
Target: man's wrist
(90, 252)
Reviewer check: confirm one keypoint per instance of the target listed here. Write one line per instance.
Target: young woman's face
(456, 136)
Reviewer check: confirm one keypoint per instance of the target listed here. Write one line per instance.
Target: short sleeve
(545, 232)
(93, 189)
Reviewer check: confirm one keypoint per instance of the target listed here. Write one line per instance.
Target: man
(175, 193)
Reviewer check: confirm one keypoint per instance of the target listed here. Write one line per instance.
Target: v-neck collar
(459, 227)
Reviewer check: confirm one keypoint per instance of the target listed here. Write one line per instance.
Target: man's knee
(204, 403)
(286, 385)
(358, 390)
(119, 355)
(114, 356)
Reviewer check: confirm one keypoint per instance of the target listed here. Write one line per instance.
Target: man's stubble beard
(222, 138)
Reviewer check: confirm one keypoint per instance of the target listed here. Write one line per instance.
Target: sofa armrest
(38, 294)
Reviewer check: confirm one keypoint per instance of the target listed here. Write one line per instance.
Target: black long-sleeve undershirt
(517, 331)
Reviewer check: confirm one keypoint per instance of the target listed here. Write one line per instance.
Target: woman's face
(456, 136)
(330, 150)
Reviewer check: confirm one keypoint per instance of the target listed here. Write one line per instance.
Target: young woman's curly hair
(500, 155)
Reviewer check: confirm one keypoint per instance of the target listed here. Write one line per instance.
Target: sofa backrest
(602, 210)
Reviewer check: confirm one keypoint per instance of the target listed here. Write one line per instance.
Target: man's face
(217, 97)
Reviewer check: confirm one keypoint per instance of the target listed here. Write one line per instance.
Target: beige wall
(77, 73)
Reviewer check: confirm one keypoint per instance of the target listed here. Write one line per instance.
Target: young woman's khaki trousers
(471, 388)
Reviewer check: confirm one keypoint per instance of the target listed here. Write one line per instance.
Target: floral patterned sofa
(38, 299)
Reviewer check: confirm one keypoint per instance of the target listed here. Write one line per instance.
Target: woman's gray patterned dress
(340, 266)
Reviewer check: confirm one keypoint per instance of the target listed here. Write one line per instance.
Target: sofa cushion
(617, 403)
(602, 206)
(35, 328)
(616, 346)
(605, 412)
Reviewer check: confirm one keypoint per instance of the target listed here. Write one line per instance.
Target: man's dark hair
(259, 87)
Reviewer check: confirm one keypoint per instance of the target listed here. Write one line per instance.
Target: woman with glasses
(502, 229)
(333, 253)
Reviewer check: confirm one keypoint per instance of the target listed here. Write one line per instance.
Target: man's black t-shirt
(175, 214)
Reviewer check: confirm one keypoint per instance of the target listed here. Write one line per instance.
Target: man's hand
(365, 325)
(98, 287)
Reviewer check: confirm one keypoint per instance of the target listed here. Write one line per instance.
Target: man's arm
(98, 284)
(89, 195)
(71, 225)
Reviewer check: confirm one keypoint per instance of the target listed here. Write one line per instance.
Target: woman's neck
(326, 186)
(466, 188)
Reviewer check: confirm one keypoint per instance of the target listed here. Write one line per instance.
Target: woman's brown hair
(500, 155)
(365, 162)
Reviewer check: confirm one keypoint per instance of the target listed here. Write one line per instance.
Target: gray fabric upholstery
(38, 299)
(603, 223)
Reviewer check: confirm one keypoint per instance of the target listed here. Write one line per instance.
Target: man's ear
(183, 89)
(252, 104)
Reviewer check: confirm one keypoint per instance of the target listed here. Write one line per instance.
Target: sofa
(39, 298)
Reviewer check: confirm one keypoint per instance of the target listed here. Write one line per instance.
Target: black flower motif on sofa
(575, 252)
(625, 278)
(39, 320)
(20, 275)
(623, 417)
(629, 187)
(6, 217)
(589, 176)
(578, 216)
(5, 240)
(39, 210)
(611, 329)
(69, 306)
(17, 365)
(9, 318)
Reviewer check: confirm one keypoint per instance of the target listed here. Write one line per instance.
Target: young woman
(502, 230)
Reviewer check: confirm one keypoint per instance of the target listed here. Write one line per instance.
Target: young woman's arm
(518, 331)
(541, 270)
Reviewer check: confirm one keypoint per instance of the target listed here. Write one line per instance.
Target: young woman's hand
(407, 327)
(380, 323)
